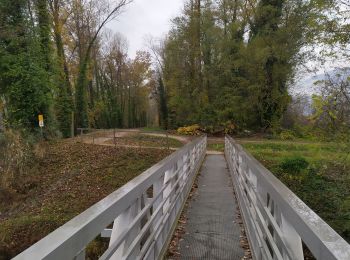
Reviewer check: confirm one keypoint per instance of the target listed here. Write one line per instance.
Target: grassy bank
(216, 144)
(66, 180)
(319, 173)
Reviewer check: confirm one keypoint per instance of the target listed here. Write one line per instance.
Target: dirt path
(104, 138)
(182, 139)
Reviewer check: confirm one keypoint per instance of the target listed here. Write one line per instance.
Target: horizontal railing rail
(277, 222)
(143, 213)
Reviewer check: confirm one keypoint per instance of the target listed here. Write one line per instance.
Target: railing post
(157, 187)
(187, 167)
(191, 159)
(292, 239)
(114, 138)
(120, 225)
(167, 181)
(165, 226)
(81, 255)
(172, 213)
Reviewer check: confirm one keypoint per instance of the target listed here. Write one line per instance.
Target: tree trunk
(65, 106)
(1, 121)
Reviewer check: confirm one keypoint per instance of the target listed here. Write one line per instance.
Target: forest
(224, 65)
(56, 60)
(233, 63)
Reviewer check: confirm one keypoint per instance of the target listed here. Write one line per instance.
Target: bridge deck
(212, 231)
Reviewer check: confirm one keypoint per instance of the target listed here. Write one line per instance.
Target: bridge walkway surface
(212, 231)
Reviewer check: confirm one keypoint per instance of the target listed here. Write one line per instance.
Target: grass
(146, 140)
(70, 178)
(317, 172)
(216, 144)
(216, 147)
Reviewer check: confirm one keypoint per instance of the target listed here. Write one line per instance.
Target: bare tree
(101, 13)
(332, 108)
(156, 48)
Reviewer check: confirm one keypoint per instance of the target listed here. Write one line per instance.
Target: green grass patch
(216, 147)
(316, 172)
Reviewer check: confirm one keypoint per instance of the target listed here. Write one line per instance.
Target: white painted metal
(107, 232)
(143, 213)
(276, 220)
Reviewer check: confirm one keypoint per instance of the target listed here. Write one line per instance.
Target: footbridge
(138, 220)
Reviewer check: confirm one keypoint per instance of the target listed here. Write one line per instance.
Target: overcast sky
(145, 17)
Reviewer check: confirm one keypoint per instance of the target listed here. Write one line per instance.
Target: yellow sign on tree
(41, 120)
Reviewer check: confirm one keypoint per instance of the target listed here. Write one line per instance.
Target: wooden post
(72, 126)
(2, 110)
(81, 135)
(167, 140)
(114, 140)
(1, 121)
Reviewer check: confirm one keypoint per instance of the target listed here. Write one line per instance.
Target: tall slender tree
(24, 80)
(163, 107)
(64, 103)
(85, 56)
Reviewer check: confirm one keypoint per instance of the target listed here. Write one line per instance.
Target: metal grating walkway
(211, 230)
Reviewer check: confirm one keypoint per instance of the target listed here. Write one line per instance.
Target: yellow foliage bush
(230, 127)
(189, 130)
(287, 135)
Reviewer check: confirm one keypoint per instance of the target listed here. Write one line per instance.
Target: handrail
(276, 220)
(143, 212)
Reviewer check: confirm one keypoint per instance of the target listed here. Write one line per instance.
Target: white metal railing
(276, 220)
(143, 213)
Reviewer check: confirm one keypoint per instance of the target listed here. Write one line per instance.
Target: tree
(120, 87)
(44, 32)
(332, 106)
(163, 107)
(64, 102)
(267, 35)
(106, 15)
(25, 84)
(182, 72)
(138, 89)
(110, 71)
(232, 61)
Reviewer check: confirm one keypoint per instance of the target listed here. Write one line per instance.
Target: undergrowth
(316, 172)
(63, 181)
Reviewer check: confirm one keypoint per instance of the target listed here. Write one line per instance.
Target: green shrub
(230, 128)
(294, 165)
(209, 129)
